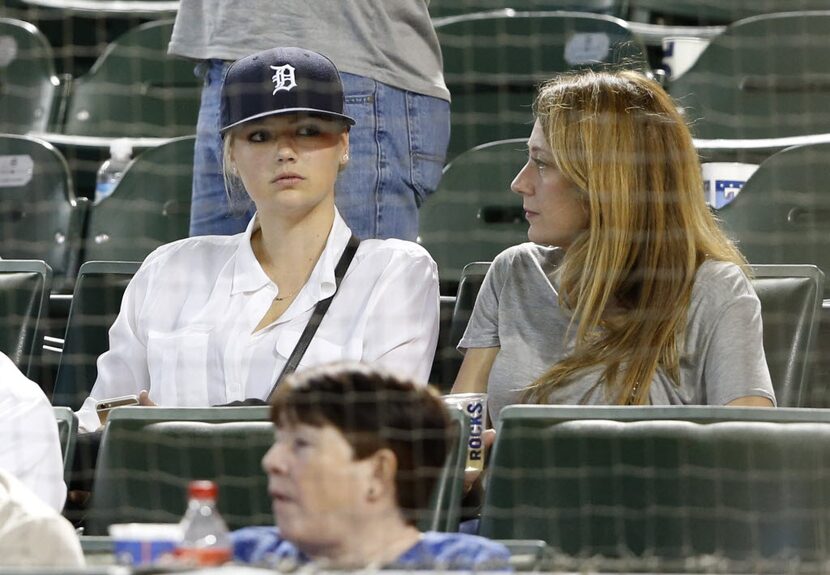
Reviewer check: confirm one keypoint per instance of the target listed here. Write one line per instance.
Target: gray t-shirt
(518, 310)
(391, 41)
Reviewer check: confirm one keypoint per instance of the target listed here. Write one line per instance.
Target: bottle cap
(202, 489)
(121, 149)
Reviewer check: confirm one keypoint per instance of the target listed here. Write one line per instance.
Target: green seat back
(494, 62)
(527, 554)
(791, 299)
(28, 84)
(666, 485)
(444, 8)
(782, 214)
(24, 299)
(447, 356)
(80, 31)
(447, 359)
(764, 77)
(95, 305)
(148, 456)
(149, 207)
(472, 279)
(816, 391)
(718, 11)
(136, 89)
(40, 217)
(68, 435)
(474, 215)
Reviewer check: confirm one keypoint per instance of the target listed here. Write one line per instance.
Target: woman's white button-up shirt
(186, 327)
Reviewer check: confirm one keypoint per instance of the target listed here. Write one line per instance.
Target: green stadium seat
(80, 30)
(782, 214)
(24, 299)
(136, 90)
(28, 84)
(817, 389)
(448, 358)
(791, 299)
(445, 8)
(720, 12)
(671, 487)
(148, 455)
(149, 207)
(40, 217)
(474, 215)
(493, 63)
(764, 77)
(527, 554)
(471, 280)
(68, 435)
(95, 304)
(444, 366)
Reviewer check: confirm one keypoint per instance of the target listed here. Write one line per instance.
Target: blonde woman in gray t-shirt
(629, 292)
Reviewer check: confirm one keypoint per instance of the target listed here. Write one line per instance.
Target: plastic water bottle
(111, 171)
(205, 537)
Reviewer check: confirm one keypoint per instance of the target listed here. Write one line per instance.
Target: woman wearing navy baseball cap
(219, 319)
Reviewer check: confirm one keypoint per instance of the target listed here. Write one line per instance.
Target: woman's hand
(144, 399)
(473, 475)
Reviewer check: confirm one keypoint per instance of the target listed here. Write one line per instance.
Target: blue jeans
(397, 152)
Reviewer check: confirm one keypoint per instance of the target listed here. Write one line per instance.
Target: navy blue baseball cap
(281, 81)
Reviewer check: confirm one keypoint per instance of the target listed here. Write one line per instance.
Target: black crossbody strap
(317, 316)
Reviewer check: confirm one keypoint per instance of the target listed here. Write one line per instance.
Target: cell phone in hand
(104, 406)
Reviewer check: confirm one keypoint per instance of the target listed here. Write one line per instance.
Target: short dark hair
(374, 409)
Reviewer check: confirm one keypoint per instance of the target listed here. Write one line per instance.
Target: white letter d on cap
(283, 78)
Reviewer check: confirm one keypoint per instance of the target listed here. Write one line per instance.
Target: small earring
(345, 158)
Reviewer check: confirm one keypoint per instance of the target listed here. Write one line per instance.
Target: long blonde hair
(628, 278)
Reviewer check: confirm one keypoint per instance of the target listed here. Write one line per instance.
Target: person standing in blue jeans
(391, 69)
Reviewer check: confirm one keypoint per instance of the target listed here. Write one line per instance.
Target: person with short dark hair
(356, 457)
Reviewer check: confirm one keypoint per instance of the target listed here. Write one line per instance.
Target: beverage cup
(143, 543)
(722, 181)
(680, 53)
(474, 406)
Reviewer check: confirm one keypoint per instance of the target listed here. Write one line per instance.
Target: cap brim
(281, 112)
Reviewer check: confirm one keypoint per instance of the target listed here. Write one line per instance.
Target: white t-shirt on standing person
(185, 331)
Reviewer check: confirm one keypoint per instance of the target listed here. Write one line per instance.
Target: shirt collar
(249, 276)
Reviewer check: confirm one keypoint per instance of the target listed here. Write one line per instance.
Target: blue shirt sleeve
(455, 551)
(434, 551)
(264, 546)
